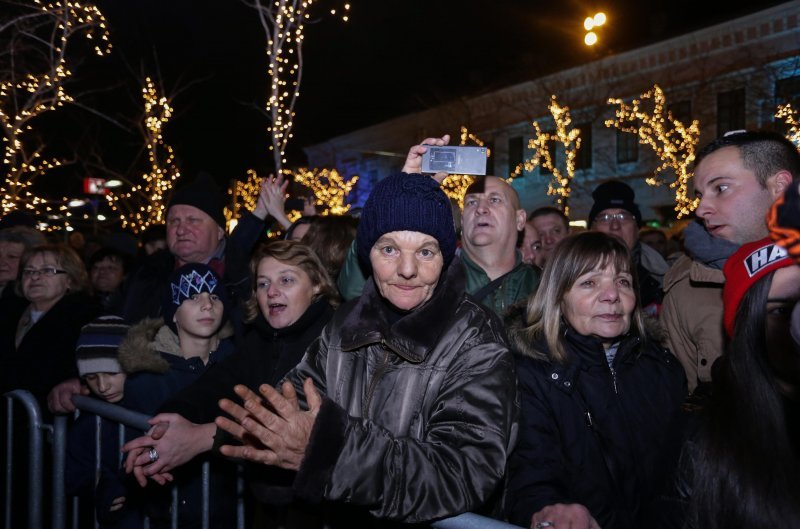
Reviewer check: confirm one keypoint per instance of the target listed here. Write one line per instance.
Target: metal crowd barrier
(57, 437)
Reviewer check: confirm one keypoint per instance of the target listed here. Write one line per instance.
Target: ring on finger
(542, 525)
(153, 454)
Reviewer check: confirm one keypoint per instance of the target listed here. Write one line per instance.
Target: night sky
(391, 58)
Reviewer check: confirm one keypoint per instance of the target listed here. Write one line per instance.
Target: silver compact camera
(454, 160)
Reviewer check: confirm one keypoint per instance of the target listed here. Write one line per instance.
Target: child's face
(107, 386)
(200, 315)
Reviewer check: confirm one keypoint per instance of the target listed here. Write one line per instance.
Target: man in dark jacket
(196, 234)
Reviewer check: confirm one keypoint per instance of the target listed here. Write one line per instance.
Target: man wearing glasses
(615, 212)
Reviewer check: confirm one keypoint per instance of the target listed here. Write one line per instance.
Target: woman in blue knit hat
(404, 407)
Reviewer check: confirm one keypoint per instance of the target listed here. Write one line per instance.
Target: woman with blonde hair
(599, 395)
(293, 299)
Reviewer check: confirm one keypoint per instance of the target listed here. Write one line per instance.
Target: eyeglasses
(47, 271)
(606, 218)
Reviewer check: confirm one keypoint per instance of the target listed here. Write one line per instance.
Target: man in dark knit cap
(616, 213)
(196, 234)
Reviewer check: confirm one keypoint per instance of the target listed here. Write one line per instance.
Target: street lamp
(590, 24)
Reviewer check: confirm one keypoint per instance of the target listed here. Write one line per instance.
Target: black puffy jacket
(419, 416)
(595, 436)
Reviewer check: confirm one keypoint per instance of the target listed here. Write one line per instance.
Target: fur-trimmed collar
(414, 335)
(142, 348)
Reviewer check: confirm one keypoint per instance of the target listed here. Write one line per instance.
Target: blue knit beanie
(406, 202)
(186, 281)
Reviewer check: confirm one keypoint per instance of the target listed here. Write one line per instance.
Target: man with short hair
(616, 213)
(196, 234)
(552, 226)
(490, 223)
(737, 178)
(531, 246)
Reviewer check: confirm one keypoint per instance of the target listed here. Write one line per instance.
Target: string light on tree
(329, 187)
(284, 23)
(790, 117)
(243, 196)
(39, 37)
(543, 146)
(673, 142)
(144, 204)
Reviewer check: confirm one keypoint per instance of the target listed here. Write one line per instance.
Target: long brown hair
(574, 256)
(296, 254)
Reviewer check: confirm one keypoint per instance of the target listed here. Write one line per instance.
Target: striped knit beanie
(98, 345)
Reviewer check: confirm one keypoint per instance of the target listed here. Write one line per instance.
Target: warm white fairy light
(569, 138)
(144, 204)
(673, 142)
(26, 97)
(243, 197)
(284, 23)
(329, 187)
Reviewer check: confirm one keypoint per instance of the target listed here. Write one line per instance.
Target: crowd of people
(389, 368)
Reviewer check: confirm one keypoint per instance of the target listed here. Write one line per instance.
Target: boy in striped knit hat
(96, 355)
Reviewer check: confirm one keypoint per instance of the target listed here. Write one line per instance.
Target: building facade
(729, 76)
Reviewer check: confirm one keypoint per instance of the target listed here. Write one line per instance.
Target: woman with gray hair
(599, 395)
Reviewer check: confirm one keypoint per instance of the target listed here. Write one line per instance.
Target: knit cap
(748, 264)
(186, 281)
(614, 195)
(406, 202)
(98, 345)
(204, 194)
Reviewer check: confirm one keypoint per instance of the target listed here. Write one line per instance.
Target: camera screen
(443, 159)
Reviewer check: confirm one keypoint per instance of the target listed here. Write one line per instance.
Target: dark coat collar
(585, 352)
(414, 335)
(314, 311)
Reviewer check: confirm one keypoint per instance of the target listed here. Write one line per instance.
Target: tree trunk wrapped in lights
(674, 143)
(543, 146)
(284, 22)
(144, 204)
(35, 37)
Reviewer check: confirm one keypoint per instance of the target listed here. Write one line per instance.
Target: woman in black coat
(37, 348)
(599, 396)
(292, 301)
